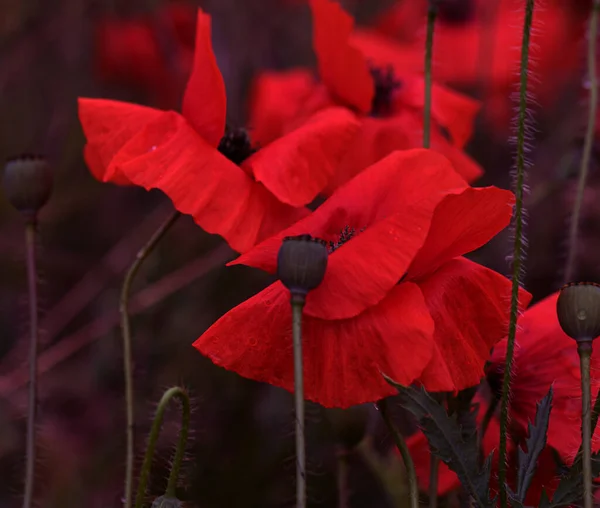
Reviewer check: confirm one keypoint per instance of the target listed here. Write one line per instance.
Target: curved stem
(342, 478)
(585, 351)
(588, 143)
(517, 251)
(33, 349)
(181, 394)
(485, 422)
(141, 256)
(413, 486)
(298, 301)
(431, 15)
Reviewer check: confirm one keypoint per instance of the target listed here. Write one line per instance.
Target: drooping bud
(301, 263)
(578, 310)
(27, 183)
(349, 425)
(167, 502)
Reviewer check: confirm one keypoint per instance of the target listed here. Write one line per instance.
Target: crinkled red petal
(205, 102)
(462, 223)
(470, 306)
(297, 166)
(342, 67)
(108, 126)
(342, 359)
(394, 201)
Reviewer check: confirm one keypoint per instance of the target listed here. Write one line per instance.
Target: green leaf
(535, 443)
(453, 443)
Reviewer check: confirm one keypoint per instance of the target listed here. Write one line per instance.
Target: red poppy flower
(154, 53)
(389, 99)
(467, 27)
(545, 355)
(216, 176)
(395, 288)
(545, 479)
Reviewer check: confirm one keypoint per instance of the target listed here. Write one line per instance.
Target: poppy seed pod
(27, 183)
(578, 309)
(301, 263)
(349, 425)
(166, 502)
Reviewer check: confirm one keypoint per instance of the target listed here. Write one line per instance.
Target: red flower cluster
(544, 356)
(388, 97)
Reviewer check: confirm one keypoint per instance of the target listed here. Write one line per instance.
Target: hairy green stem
(32, 275)
(413, 486)
(298, 301)
(171, 393)
(141, 256)
(434, 465)
(584, 348)
(517, 252)
(431, 15)
(485, 422)
(588, 143)
(342, 478)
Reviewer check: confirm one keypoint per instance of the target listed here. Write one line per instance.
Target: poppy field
(300, 253)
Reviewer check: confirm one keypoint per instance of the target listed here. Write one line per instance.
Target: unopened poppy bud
(301, 263)
(349, 425)
(27, 183)
(167, 502)
(578, 309)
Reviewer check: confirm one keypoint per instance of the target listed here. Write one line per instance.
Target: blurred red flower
(544, 356)
(154, 52)
(389, 98)
(396, 297)
(477, 43)
(229, 187)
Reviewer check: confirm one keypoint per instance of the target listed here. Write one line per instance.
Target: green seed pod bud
(578, 309)
(301, 263)
(167, 502)
(349, 425)
(27, 183)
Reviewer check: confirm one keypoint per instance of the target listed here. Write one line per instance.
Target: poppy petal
(394, 201)
(470, 307)
(297, 166)
(342, 67)
(276, 100)
(342, 359)
(204, 101)
(462, 223)
(108, 126)
(169, 155)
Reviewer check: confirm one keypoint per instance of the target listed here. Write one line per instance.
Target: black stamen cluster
(346, 234)
(236, 145)
(386, 84)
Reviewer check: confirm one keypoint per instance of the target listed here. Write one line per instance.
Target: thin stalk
(342, 478)
(171, 393)
(32, 276)
(434, 465)
(588, 143)
(413, 487)
(431, 15)
(584, 348)
(141, 256)
(517, 252)
(485, 422)
(298, 301)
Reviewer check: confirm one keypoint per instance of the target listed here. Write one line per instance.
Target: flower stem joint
(27, 183)
(301, 264)
(578, 310)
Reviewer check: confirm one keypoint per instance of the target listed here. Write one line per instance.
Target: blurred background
(242, 449)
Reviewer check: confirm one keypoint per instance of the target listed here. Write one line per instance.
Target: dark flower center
(345, 235)
(386, 84)
(236, 145)
(456, 12)
(495, 377)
